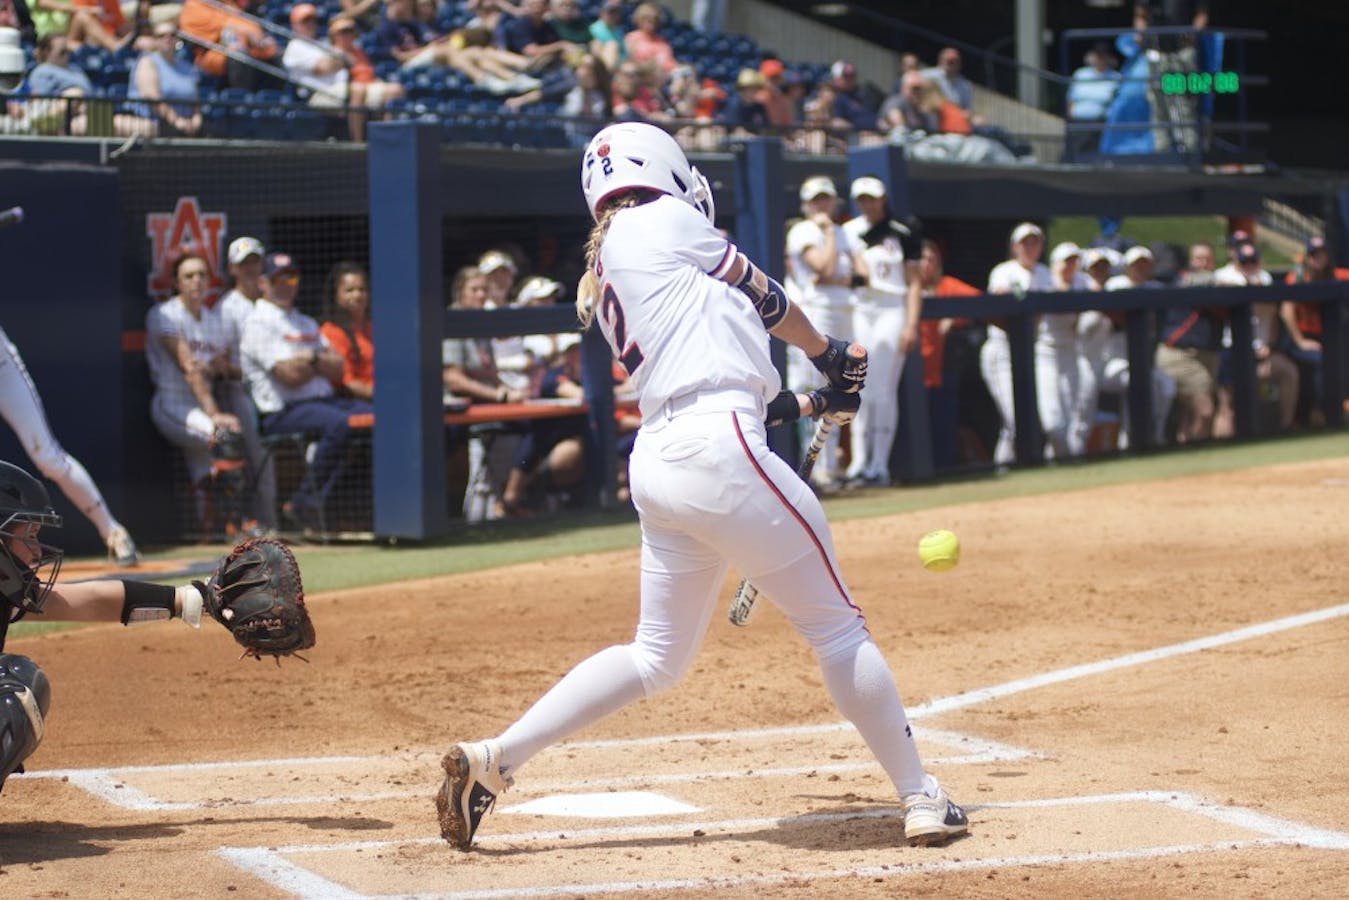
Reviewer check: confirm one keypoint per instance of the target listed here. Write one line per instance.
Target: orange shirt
(109, 13)
(929, 330)
(207, 23)
(1308, 315)
(354, 368)
(951, 119)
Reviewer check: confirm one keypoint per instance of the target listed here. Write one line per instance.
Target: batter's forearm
(798, 331)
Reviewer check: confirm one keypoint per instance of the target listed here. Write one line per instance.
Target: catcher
(255, 592)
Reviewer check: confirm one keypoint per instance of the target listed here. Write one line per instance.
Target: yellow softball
(939, 550)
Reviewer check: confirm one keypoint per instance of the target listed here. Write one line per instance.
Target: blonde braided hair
(588, 288)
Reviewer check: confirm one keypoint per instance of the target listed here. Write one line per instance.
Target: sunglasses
(289, 278)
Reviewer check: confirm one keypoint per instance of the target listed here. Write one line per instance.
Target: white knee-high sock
(864, 691)
(602, 684)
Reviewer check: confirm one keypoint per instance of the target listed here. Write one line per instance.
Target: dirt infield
(1137, 690)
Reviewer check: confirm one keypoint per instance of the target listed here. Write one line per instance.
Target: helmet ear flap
(702, 195)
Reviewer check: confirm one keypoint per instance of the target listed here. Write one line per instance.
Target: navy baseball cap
(1315, 243)
(276, 263)
(1237, 238)
(1248, 253)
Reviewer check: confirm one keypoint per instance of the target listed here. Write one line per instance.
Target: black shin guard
(25, 697)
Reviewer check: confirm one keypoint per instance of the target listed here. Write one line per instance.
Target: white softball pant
(877, 326)
(710, 493)
(995, 364)
(21, 407)
(1063, 381)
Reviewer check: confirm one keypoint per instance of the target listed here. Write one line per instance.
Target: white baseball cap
(1094, 255)
(867, 186)
(492, 260)
(537, 288)
(1025, 230)
(1064, 251)
(1134, 254)
(816, 185)
(244, 247)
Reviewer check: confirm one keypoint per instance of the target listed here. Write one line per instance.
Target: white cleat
(122, 548)
(933, 820)
(472, 782)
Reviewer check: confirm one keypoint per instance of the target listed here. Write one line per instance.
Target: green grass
(503, 544)
(1179, 230)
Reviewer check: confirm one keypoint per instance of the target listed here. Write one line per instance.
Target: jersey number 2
(630, 355)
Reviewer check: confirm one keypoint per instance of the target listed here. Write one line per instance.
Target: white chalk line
(102, 782)
(270, 863)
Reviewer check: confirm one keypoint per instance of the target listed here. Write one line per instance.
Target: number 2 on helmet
(630, 355)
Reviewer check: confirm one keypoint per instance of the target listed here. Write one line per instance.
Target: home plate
(615, 805)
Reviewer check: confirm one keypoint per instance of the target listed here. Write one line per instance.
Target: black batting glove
(843, 371)
(838, 405)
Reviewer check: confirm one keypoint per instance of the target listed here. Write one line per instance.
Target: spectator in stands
(54, 77)
(691, 97)
(823, 130)
(1130, 109)
(946, 349)
(1089, 96)
(499, 268)
(491, 15)
(909, 62)
(202, 21)
(1303, 329)
(848, 101)
(364, 13)
(244, 259)
(469, 365)
(708, 16)
(323, 71)
(591, 100)
(470, 50)
(199, 401)
(348, 329)
(365, 91)
(607, 33)
(100, 23)
(742, 111)
(571, 25)
(633, 99)
(820, 269)
(781, 112)
(407, 39)
(1108, 353)
(1277, 373)
(913, 108)
(645, 44)
(1021, 273)
(1188, 352)
(532, 34)
(947, 78)
(1230, 272)
(171, 87)
(289, 368)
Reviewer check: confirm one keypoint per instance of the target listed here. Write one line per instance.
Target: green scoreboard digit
(1200, 83)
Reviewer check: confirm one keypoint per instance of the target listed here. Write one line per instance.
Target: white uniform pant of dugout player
(877, 325)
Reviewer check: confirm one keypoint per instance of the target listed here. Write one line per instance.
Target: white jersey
(676, 328)
(885, 247)
(1010, 277)
(272, 334)
(235, 309)
(1061, 328)
(806, 234)
(207, 336)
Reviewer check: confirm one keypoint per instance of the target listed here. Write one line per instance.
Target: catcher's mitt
(256, 593)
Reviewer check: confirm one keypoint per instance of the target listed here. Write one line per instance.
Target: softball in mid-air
(939, 550)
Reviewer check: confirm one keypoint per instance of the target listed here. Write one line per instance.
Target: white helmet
(637, 155)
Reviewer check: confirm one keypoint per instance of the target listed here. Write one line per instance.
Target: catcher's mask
(28, 567)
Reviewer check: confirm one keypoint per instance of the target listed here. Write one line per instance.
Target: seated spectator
(289, 368)
(591, 100)
(645, 44)
(404, 37)
(607, 33)
(203, 22)
(822, 128)
(551, 455)
(365, 13)
(170, 83)
(914, 108)
(571, 25)
(634, 101)
(199, 403)
(1190, 341)
(54, 77)
(947, 78)
(329, 71)
(1277, 373)
(100, 23)
(909, 62)
(1093, 87)
(491, 15)
(743, 110)
(470, 50)
(1302, 327)
(848, 101)
(533, 35)
(348, 329)
(778, 107)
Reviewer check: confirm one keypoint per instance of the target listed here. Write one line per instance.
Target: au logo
(185, 229)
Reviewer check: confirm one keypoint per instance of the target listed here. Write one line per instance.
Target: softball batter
(688, 316)
(22, 409)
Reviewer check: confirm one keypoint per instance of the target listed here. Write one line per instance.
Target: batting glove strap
(837, 404)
